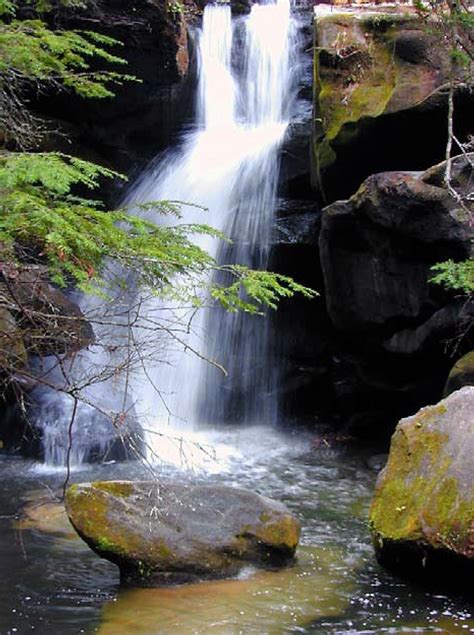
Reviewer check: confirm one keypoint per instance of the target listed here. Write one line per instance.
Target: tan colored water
(267, 602)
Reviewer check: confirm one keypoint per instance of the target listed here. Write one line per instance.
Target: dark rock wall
(379, 341)
(143, 118)
(380, 98)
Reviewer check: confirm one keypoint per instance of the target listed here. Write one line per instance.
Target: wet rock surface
(380, 83)
(395, 328)
(162, 533)
(461, 374)
(45, 320)
(422, 514)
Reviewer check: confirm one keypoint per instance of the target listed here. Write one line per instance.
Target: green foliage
(254, 289)
(453, 22)
(176, 8)
(39, 214)
(458, 276)
(8, 7)
(460, 58)
(34, 56)
(53, 171)
(30, 49)
(45, 215)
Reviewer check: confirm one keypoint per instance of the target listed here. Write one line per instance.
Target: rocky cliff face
(373, 346)
(377, 250)
(129, 129)
(380, 98)
(377, 344)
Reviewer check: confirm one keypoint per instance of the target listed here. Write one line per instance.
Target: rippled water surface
(52, 583)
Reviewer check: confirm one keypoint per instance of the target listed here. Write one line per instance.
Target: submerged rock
(160, 533)
(290, 600)
(422, 515)
(46, 515)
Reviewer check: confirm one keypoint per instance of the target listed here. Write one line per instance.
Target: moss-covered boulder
(461, 374)
(422, 514)
(378, 86)
(159, 533)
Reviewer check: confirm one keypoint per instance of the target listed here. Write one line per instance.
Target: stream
(52, 582)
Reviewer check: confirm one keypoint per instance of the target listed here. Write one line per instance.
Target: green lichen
(417, 498)
(104, 544)
(89, 508)
(273, 529)
(379, 22)
(348, 94)
(123, 489)
(265, 517)
(359, 77)
(462, 374)
(163, 550)
(364, 100)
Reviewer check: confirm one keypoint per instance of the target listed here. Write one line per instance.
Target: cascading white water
(230, 167)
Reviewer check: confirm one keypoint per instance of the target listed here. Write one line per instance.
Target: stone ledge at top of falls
(166, 533)
(380, 97)
(422, 515)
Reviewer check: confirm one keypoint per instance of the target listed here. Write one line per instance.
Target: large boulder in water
(161, 533)
(422, 515)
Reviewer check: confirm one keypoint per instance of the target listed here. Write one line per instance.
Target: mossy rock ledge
(169, 533)
(379, 96)
(422, 514)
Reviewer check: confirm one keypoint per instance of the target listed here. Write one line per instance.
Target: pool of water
(51, 582)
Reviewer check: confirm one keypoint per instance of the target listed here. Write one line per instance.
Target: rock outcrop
(392, 353)
(159, 533)
(377, 249)
(422, 515)
(39, 319)
(380, 97)
(129, 129)
(461, 374)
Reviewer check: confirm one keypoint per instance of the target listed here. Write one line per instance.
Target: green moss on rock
(425, 494)
(166, 532)
(358, 76)
(461, 374)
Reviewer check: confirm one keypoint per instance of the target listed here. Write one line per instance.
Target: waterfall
(229, 166)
